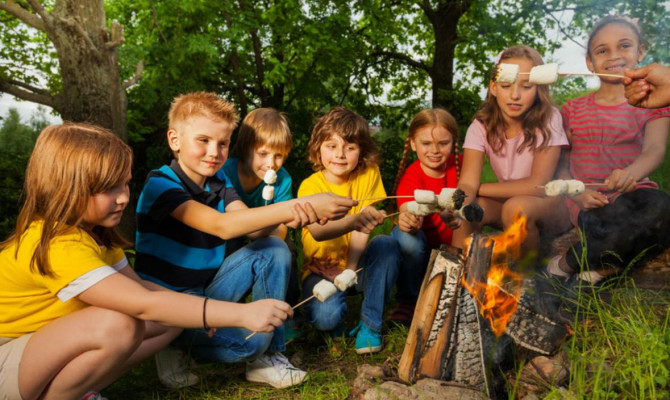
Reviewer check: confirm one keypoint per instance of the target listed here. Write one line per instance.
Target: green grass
(621, 352)
(331, 363)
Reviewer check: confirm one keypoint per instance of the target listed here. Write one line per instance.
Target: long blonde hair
(536, 119)
(429, 117)
(69, 164)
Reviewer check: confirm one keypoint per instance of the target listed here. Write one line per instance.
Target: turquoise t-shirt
(255, 198)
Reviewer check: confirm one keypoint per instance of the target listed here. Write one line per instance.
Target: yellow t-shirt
(29, 300)
(364, 184)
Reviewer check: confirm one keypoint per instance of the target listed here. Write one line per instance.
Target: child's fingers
(310, 212)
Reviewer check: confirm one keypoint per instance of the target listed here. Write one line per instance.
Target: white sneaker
(275, 370)
(173, 366)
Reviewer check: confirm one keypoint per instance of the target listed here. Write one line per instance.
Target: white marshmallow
(446, 198)
(425, 196)
(270, 177)
(421, 210)
(555, 188)
(324, 289)
(346, 279)
(543, 74)
(575, 187)
(507, 73)
(268, 192)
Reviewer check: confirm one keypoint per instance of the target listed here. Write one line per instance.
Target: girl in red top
(433, 135)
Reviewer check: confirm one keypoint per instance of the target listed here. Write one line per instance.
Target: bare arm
(123, 294)
(356, 247)
(651, 157)
(242, 221)
(544, 166)
(365, 222)
(471, 174)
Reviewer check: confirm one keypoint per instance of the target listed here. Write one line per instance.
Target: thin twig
(387, 197)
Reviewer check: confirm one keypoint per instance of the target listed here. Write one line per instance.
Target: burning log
(468, 336)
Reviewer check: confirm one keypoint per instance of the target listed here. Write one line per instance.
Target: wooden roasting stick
(295, 306)
(582, 74)
(586, 184)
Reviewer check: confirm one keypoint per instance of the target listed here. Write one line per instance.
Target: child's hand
(621, 181)
(648, 86)
(590, 199)
(265, 315)
(368, 219)
(409, 223)
(330, 206)
(303, 214)
(450, 219)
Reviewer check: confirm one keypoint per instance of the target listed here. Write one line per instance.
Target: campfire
(473, 336)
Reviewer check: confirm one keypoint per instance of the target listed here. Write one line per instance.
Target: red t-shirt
(436, 231)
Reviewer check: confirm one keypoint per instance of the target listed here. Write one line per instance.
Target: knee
(276, 249)
(115, 329)
(384, 245)
(409, 242)
(511, 208)
(326, 317)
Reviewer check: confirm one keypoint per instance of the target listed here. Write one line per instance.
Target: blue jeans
(415, 252)
(262, 266)
(380, 262)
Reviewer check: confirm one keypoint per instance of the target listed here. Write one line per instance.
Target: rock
(551, 370)
(434, 389)
(392, 391)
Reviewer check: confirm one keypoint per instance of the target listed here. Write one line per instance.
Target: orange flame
(498, 296)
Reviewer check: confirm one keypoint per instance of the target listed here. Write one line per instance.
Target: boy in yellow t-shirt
(345, 158)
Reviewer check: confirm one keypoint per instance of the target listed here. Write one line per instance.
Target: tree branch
(404, 58)
(117, 36)
(73, 23)
(139, 68)
(26, 17)
(34, 95)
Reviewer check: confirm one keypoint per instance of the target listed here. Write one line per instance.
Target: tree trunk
(445, 22)
(88, 57)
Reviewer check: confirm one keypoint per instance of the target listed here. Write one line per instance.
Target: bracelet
(204, 315)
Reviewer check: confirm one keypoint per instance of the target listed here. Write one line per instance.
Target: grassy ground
(621, 352)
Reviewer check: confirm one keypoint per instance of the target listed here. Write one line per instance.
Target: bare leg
(492, 214)
(83, 351)
(548, 214)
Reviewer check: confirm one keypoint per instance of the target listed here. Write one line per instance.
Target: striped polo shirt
(169, 252)
(605, 138)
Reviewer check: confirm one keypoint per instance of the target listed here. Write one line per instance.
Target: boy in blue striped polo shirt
(186, 212)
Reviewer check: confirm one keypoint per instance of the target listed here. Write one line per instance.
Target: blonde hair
(204, 104)
(349, 126)
(431, 117)
(263, 127)
(537, 117)
(69, 164)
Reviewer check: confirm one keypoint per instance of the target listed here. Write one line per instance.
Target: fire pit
(475, 315)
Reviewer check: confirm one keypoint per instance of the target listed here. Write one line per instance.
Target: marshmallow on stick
(425, 196)
(324, 289)
(507, 73)
(560, 187)
(270, 177)
(346, 279)
(543, 74)
(268, 192)
(421, 210)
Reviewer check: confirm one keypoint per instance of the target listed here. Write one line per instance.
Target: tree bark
(92, 90)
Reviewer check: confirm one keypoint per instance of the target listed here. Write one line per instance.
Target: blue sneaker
(367, 340)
